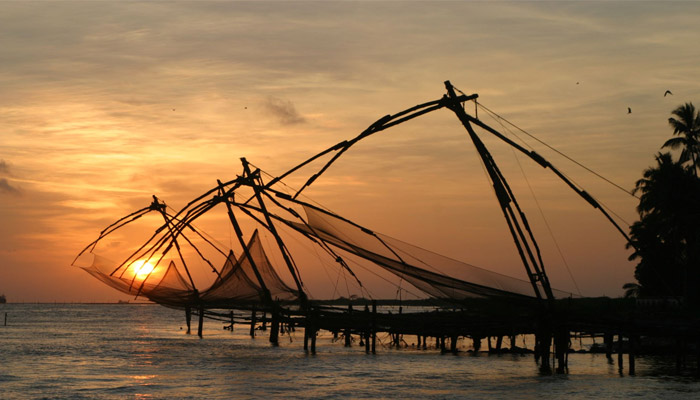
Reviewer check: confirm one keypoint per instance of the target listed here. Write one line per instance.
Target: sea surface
(131, 351)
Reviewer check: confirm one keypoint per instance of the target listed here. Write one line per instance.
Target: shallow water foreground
(130, 351)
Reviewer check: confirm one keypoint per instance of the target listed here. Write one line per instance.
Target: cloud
(284, 111)
(7, 188)
(4, 168)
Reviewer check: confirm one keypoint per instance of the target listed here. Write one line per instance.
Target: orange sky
(104, 104)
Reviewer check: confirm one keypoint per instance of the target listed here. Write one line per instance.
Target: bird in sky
(629, 110)
(668, 92)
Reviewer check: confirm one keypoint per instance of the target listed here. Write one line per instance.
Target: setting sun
(142, 268)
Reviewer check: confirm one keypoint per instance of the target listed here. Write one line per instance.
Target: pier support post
(620, 359)
(631, 353)
(253, 321)
(274, 326)
(476, 343)
(543, 341)
(188, 318)
(374, 326)
(348, 338)
(608, 339)
(201, 321)
(368, 328)
(561, 348)
(453, 344)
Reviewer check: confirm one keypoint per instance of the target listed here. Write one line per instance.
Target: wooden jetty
(626, 329)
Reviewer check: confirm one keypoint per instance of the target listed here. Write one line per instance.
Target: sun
(142, 268)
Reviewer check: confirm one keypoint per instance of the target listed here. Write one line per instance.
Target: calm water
(139, 351)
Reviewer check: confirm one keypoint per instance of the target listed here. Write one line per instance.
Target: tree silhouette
(666, 239)
(659, 237)
(687, 127)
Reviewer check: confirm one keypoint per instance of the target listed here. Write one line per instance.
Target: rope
(629, 192)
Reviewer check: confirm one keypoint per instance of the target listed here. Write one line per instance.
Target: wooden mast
(517, 223)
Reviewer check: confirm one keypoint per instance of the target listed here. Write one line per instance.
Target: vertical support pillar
(631, 354)
(348, 338)
(253, 321)
(274, 326)
(608, 339)
(232, 322)
(499, 343)
(201, 321)
(307, 328)
(188, 318)
(368, 329)
(561, 348)
(620, 360)
(476, 343)
(374, 326)
(313, 340)
(543, 342)
(453, 344)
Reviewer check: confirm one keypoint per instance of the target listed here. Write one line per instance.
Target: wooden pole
(632, 349)
(313, 341)
(368, 329)
(253, 321)
(561, 348)
(476, 343)
(608, 339)
(274, 326)
(201, 321)
(619, 352)
(188, 318)
(374, 326)
(348, 341)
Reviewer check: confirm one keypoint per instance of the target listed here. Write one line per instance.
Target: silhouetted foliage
(687, 127)
(666, 238)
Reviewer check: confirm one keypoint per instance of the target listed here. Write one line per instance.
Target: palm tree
(666, 238)
(687, 127)
(631, 290)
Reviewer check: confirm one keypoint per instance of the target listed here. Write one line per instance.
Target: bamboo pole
(253, 321)
(201, 321)
(188, 318)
